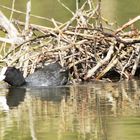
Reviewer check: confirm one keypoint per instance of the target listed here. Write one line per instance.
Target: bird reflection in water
(15, 96)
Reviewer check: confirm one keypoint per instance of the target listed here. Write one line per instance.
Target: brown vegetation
(83, 44)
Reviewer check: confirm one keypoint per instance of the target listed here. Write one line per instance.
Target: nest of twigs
(83, 45)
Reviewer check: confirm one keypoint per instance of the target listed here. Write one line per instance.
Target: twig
(32, 15)
(127, 24)
(12, 9)
(66, 7)
(136, 62)
(13, 33)
(28, 11)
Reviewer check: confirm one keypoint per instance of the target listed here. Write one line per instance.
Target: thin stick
(66, 7)
(12, 9)
(136, 62)
(128, 24)
(28, 11)
(32, 15)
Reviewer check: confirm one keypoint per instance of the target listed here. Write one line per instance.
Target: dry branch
(12, 32)
(128, 24)
(100, 63)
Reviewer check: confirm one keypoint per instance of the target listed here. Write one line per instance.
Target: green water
(94, 111)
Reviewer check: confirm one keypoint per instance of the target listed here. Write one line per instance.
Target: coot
(50, 75)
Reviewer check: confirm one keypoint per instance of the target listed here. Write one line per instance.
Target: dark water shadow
(15, 96)
(55, 94)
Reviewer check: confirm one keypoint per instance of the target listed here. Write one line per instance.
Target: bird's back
(50, 75)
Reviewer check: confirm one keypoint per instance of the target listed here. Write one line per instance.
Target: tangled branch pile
(83, 45)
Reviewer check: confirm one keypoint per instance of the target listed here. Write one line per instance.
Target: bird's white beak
(2, 74)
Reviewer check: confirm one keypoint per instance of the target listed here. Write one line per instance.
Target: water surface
(95, 111)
